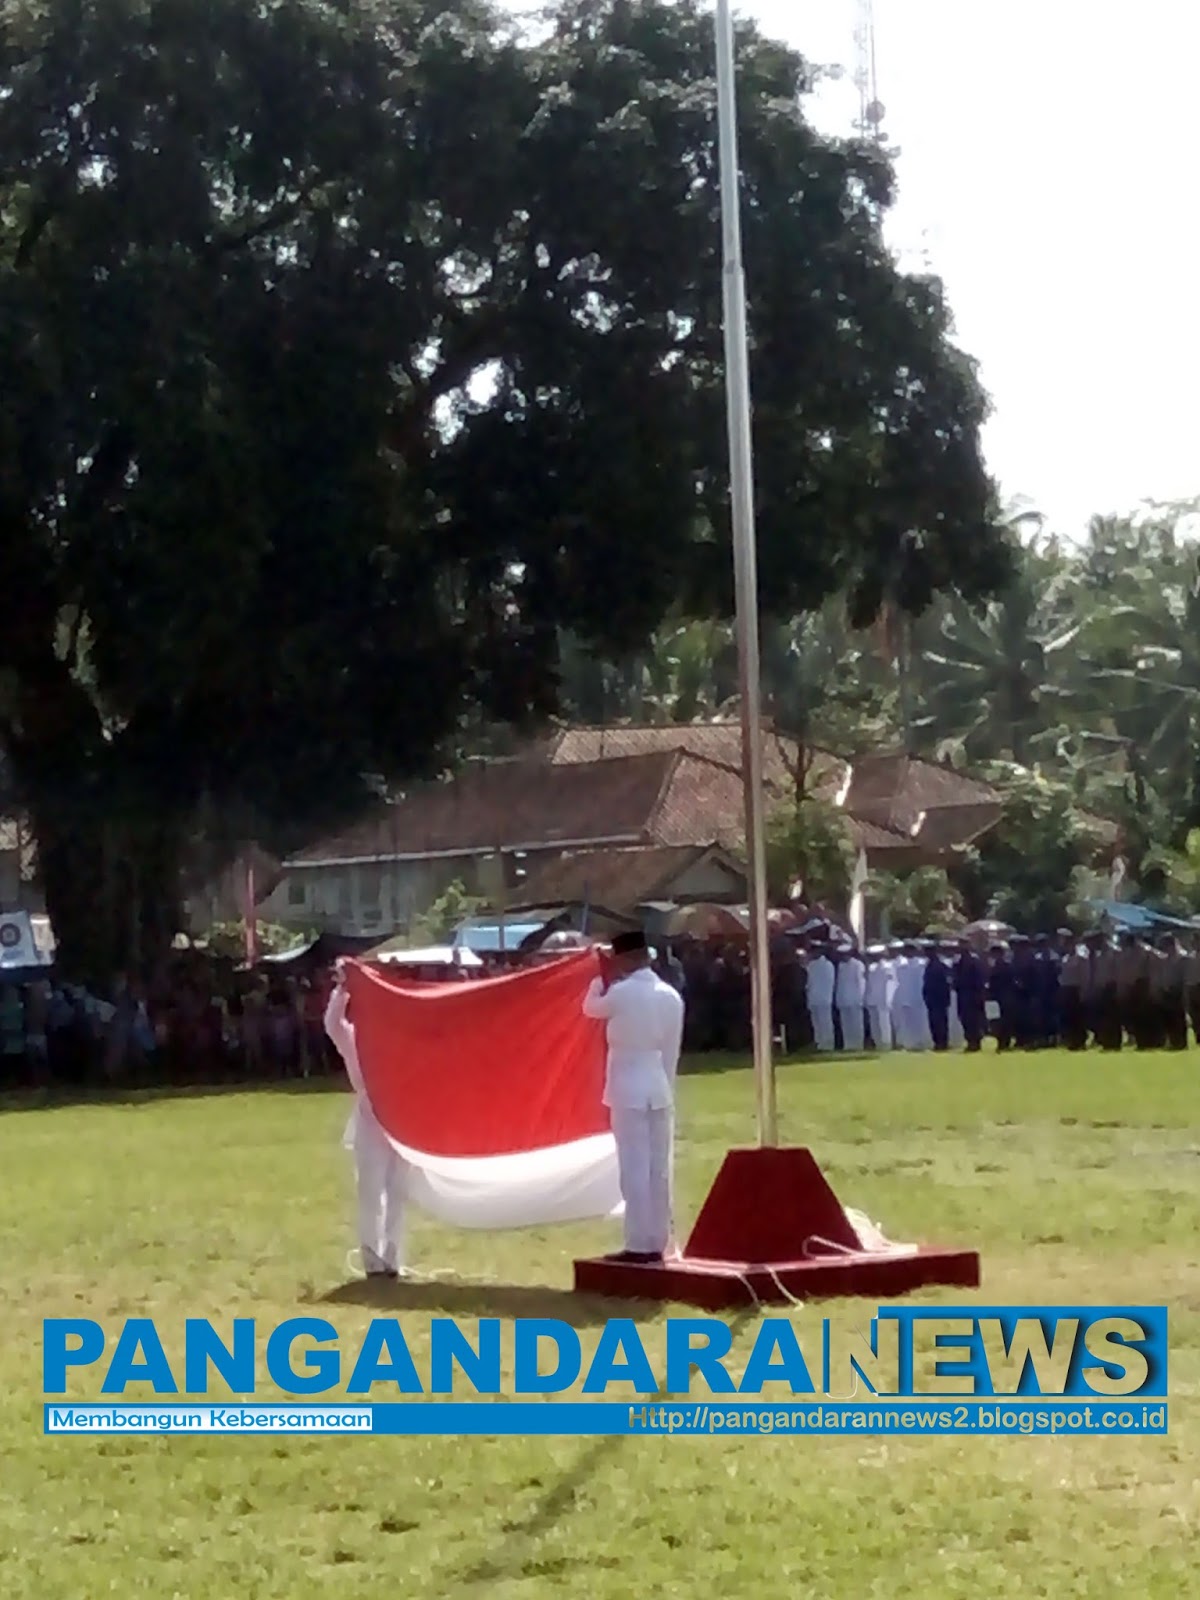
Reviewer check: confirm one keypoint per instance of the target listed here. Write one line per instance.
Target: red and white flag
(490, 1089)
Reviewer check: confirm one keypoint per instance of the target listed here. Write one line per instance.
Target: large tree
(352, 356)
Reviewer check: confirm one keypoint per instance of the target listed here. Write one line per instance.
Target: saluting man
(644, 1023)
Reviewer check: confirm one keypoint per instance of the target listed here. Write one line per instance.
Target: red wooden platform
(772, 1231)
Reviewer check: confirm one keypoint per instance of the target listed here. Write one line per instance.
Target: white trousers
(822, 1025)
(955, 1035)
(645, 1151)
(852, 1027)
(379, 1173)
(911, 1025)
(881, 1027)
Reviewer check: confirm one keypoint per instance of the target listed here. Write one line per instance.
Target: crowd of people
(197, 1020)
(202, 1020)
(925, 994)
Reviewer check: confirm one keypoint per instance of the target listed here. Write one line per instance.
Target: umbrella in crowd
(705, 922)
(987, 931)
(566, 939)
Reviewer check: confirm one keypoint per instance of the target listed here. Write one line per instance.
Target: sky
(1047, 173)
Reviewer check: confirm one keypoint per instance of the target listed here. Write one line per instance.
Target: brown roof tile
(677, 786)
(926, 781)
(701, 803)
(619, 879)
(893, 790)
(713, 741)
(952, 827)
(507, 805)
(871, 837)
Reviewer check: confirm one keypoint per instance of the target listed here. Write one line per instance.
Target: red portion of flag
(488, 1067)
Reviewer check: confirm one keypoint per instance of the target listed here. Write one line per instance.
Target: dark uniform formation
(1131, 992)
(1108, 993)
(924, 994)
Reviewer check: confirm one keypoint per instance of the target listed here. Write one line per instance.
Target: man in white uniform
(850, 994)
(822, 980)
(379, 1170)
(644, 1023)
(880, 982)
(911, 1018)
(897, 960)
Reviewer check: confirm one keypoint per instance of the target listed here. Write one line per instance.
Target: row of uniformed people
(1028, 994)
(881, 998)
(907, 996)
(1130, 991)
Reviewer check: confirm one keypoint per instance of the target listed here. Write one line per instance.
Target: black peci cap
(628, 944)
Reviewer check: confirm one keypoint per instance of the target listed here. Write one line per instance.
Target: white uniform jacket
(644, 1018)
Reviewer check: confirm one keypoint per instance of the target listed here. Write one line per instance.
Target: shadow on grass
(521, 1535)
(64, 1096)
(718, 1061)
(465, 1299)
(721, 1061)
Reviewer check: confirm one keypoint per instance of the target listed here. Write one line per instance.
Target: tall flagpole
(741, 474)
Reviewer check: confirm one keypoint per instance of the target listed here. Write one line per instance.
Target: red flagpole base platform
(772, 1231)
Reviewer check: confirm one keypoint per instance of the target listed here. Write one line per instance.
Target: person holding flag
(643, 1017)
(379, 1168)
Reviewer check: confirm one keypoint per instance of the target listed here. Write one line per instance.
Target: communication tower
(870, 109)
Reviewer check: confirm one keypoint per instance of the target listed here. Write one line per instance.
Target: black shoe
(646, 1258)
(383, 1272)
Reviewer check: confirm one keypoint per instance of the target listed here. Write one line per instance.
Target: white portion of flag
(566, 1183)
(574, 1182)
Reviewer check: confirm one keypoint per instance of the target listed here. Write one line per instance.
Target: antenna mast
(870, 111)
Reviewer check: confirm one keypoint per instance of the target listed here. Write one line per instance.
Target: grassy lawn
(1077, 1177)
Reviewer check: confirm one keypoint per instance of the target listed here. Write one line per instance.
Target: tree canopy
(355, 355)
(1075, 690)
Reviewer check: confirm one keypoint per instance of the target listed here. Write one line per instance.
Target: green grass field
(1077, 1177)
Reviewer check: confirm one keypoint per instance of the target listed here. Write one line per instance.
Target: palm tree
(994, 684)
(1157, 660)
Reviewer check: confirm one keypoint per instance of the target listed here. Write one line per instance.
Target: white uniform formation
(883, 994)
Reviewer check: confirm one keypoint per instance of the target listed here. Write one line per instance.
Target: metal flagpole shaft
(741, 471)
